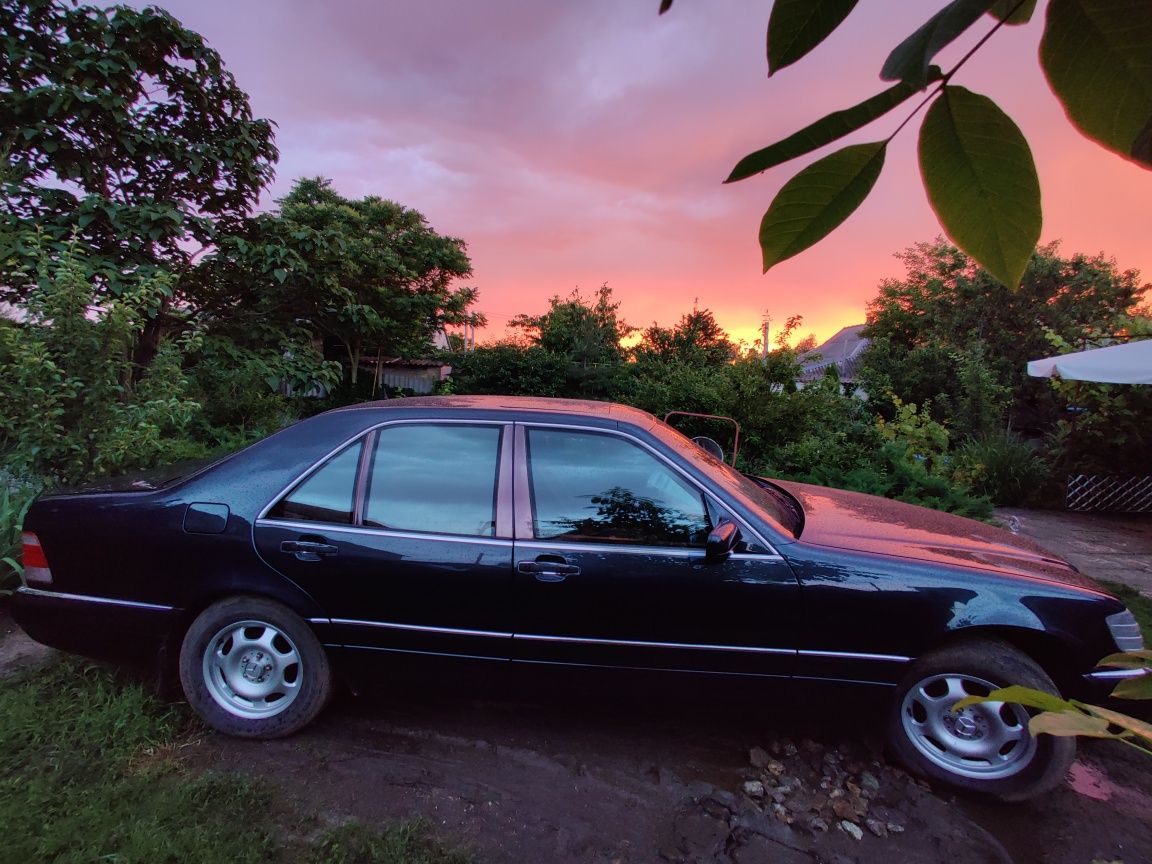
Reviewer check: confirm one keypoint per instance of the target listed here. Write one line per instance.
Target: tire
(252, 668)
(985, 748)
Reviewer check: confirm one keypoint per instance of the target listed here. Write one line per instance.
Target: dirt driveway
(538, 770)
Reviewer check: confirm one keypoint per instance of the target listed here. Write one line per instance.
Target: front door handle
(548, 570)
(308, 550)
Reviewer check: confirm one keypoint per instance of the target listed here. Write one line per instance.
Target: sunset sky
(576, 143)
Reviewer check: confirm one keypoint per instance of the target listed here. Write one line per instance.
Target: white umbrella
(1128, 363)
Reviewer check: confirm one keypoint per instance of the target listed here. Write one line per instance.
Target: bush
(897, 472)
(72, 408)
(15, 499)
(1001, 467)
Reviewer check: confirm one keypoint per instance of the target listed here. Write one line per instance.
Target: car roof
(520, 404)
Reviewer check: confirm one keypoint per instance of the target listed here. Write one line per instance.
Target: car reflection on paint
(563, 532)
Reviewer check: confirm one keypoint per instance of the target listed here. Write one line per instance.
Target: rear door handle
(308, 550)
(548, 571)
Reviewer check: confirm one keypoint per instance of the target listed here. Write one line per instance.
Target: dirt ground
(542, 769)
(554, 771)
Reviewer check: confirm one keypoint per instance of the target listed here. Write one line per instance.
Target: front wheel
(986, 747)
(251, 668)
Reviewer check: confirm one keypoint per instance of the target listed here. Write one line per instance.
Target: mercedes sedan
(543, 531)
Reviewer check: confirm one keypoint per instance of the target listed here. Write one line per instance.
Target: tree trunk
(354, 362)
(148, 341)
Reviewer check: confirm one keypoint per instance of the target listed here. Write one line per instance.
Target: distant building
(419, 376)
(843, 351)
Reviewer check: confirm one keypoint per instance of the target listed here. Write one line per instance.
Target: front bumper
(102, 627)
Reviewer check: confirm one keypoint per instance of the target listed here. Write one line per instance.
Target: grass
(1137, 603)
(90, 770)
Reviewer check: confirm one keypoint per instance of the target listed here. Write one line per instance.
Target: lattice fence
(1094, 492)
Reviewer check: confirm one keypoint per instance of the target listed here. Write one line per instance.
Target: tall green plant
(1002, 467)
(72, 409)
(15, 499)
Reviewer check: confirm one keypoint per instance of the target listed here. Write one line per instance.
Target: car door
(403, 537)
(611, 566)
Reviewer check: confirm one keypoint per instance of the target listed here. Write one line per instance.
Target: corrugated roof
(843, 350)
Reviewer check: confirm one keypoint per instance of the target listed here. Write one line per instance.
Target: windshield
(770, 499)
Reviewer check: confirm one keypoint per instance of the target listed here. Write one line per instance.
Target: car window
(437, 478)
(588, 486)
(327, 494)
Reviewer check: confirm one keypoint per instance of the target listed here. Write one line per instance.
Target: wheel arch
(234, 584)
(1049, 651)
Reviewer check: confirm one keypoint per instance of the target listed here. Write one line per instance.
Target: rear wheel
(251, 667)
(986, 747)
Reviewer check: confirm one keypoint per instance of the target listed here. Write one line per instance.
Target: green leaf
(1134, 688)
(1128, 659)
(795, 27)
(1018, 695)
(280, 273)
(1097, 57)
(1013, 12)
(665, 5)
(1142, 146)
(823, 131)
(981, 181)
(818, 199)
(1068, 724)
(1131, 724)
(909, 61)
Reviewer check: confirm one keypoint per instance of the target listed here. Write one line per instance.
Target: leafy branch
(975, 163)
(1070, 717)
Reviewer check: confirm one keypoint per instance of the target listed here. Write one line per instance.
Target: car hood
(867, 523)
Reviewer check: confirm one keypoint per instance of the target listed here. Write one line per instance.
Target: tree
(368, 272)
(949, 326)
(120, 131)
(587, 335)
(696, 340)
(976, 165)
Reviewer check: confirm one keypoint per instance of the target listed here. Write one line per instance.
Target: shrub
(1001, 467)
(72, 409)
(15, 499)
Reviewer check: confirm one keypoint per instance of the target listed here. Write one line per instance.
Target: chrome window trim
(522, 465)
(87, 598)
(307, 472)
(262, 516)
(629, 549)
(333, 528)
(363, 470)
(505, 495)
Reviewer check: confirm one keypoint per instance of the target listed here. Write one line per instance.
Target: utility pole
(765, 328)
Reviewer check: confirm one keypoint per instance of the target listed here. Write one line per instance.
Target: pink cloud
(580, 143)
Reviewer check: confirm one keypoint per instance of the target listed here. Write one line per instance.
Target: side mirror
(722, 541)
(709, 446)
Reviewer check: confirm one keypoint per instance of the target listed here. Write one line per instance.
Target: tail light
(36, 570)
